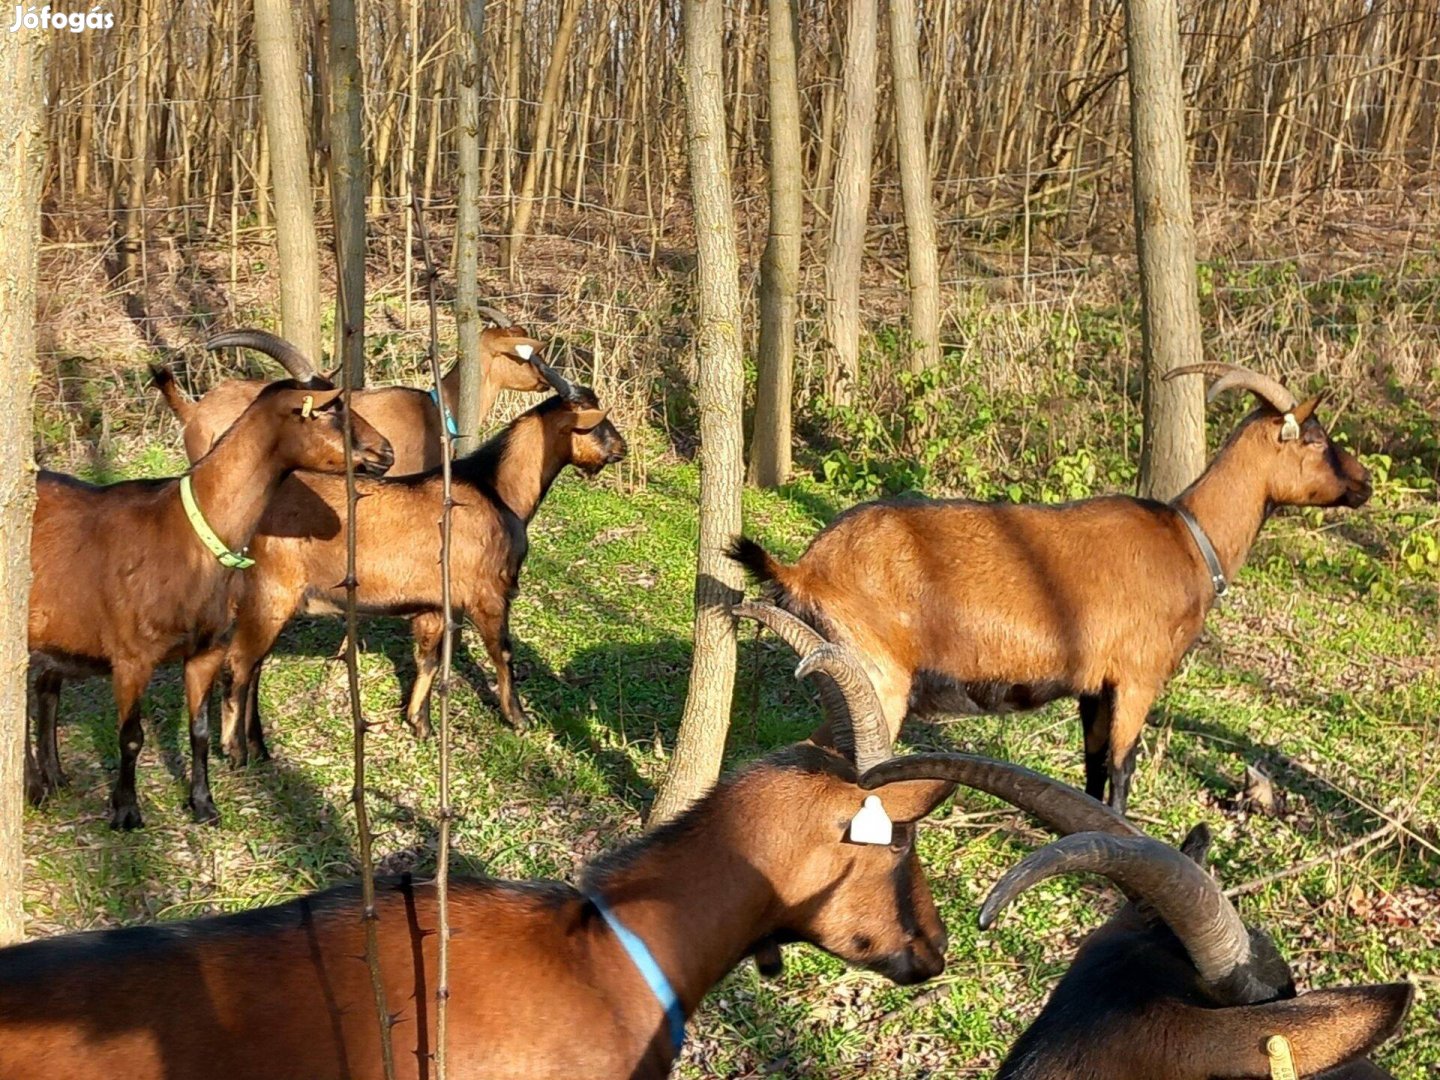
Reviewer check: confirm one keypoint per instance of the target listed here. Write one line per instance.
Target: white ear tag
(1290, 430)
(524, 351)
(871, 825)
(308, 407)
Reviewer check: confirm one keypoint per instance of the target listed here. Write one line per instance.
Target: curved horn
(495, 315)
(867, 721)
(1178, 889)
(1232, 377)
(1059, 806)
(561, 385)
(805, 639)
(277, 348)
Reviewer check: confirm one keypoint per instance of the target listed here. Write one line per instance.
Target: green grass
(1302, 671)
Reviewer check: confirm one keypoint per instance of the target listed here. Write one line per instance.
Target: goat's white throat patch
(871, 825)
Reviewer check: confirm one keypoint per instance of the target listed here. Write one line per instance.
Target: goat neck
(1229, 501)
(236, 480)
(532, 458)
(700, 898)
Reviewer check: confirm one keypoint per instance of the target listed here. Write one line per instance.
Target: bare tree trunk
(525, 199)
(347, 188)
(290, 175)
(706, 720)
(471, 17)
(851, 205)
(780, 265)
(22, 162)
(1173, 453)
(924, 263)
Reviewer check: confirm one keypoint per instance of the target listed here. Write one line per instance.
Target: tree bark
(471, 16)
(851, 205)
(295, 239)
(706, 720)
(780, 265)
(1173, 450)
(525, 200)
(22, 160)
(924, 259)
(347, 189)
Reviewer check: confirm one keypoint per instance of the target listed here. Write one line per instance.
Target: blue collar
(449, 416)
(645, 961)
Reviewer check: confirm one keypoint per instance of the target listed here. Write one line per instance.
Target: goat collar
(1207, 550)
(644, 960)
(231, 560)
(449, 416)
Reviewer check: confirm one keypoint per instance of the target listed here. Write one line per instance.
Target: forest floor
(1328, 685)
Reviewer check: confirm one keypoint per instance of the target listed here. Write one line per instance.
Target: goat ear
(586, 419)
(910, 800)
(1196, 845)
(1325, 1029)
(524, 348)
(1305, 410)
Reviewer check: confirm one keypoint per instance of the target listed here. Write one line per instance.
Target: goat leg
(428, 629)
(199, 675)
(254, 725)
(1095, 710)
(47, 745)
(130, 683)
(496, 632)
(34, 786)
(1127, 720)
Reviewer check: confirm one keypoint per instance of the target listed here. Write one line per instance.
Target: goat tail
(164, 380)
(759, 563)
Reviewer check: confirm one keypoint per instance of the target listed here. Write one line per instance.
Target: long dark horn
(1233, 376)
(1059, 806)
(495, 315)
(805, 639)
(867, 721)
(1179, 890)
(277, 348)
(561, 385)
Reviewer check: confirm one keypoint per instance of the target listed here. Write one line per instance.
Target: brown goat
(540, 984)
(300, 553)
(1175, 984)
(969, 607)
(122, 582)
(409, 418)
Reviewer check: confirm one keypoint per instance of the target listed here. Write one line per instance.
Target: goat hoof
(204, 812)
(518, 719)
(35, 790)
(125, 818)
(259, 753)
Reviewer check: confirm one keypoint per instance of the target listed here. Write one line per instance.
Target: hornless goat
(409, 418)
(969, 607)
(128, 576)
(300, 546)
(541, 983)
(1175, 984)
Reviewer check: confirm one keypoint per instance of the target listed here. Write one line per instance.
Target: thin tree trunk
(780, 265)
(524, 204)
(22, 162)
(283, 101)
(720, 387)
(1173, 451)
(924, 264)
(851, 206)
(471, 17)
(347, 187)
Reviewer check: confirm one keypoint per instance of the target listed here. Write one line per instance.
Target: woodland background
(1314, 130)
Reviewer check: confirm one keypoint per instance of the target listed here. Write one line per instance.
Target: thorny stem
(362, 819)
(447, 641)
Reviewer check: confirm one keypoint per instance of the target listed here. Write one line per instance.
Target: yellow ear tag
(309, 406)
(1282, 1064)
(871, 825)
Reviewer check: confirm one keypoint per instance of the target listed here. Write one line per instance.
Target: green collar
(232, 560)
